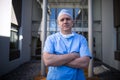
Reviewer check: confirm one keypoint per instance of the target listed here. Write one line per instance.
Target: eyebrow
(62, 19)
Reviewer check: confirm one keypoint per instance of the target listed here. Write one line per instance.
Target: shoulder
(80, 36)
(53, 36)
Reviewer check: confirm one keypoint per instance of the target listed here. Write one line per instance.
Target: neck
(66, 32)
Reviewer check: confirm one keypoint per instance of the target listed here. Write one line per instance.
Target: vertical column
(43, 34)
(90, 36)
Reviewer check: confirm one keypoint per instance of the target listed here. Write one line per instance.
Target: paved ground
(105, 72)
(30, 70)
(26, 71)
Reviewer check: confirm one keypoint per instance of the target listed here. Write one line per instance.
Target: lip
(66, 25)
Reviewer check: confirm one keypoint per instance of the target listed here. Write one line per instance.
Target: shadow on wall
(4, 54)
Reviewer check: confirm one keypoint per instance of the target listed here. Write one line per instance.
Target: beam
(90, 36)
(43, 35)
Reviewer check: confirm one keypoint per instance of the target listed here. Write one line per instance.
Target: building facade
(21, 24)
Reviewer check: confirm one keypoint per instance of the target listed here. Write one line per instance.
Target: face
(65, 23)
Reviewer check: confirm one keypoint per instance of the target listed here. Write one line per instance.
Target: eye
(64, 19)
(61, 20)
(68, 19)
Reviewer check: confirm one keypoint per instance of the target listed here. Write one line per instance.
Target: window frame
(15, 27)
(116, 5)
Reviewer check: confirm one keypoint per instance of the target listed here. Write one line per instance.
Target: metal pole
(90, 36)
(43, 34)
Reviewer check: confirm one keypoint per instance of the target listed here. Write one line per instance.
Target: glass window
(52, 15)
(118, 38)
(52, 21)
(85, 14)
(77, 11)
(14, 38)
(117, 21)
(15, 25)
(14, 43)
(80, 16)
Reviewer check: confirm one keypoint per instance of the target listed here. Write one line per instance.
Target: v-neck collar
(67, 36)
(67, 42)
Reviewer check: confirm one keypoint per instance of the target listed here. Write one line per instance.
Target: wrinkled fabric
(57, 44)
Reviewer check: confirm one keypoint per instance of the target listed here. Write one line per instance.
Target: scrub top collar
(68, 35)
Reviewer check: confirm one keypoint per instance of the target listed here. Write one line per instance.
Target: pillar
(90, 36)
(43, 34)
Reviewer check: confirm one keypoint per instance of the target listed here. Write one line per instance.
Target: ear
(57, 22)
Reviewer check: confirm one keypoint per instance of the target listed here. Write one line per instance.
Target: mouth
(66, 25)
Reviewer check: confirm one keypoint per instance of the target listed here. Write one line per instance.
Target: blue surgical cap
(64, 11)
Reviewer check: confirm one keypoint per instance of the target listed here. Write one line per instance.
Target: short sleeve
(84, 50)
(49, 46)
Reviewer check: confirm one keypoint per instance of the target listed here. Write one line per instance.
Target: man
(66, 53)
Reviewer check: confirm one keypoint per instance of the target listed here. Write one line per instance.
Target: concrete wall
(108, 35)
(25, 31)
(36, 21)
(97, 29)
(5, 25)
(36, 18)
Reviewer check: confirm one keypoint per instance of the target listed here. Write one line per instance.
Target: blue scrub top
(57, 44)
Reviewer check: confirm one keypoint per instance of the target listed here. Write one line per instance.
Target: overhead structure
(43, 34)
(68, 4)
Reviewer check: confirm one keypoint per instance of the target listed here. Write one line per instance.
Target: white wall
(5, 17)
(5, 25)
(108, 34)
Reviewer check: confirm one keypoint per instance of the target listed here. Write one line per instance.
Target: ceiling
(67, 3)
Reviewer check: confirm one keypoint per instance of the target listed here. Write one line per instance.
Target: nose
(65, 20)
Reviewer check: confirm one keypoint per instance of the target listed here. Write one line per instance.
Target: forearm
(81, 62)
(58, 60)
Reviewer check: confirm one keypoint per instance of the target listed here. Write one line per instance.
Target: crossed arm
(72, 60)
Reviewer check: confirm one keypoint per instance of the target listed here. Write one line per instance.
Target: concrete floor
(105, 72)
(31, 71)
(26, 71)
